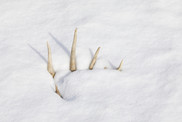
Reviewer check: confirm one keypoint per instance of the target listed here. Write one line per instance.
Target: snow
(145, 33)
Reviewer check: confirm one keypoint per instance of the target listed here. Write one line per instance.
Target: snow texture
(145, 33)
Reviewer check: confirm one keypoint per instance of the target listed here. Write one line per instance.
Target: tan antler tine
(50, 68)
(94, 59)
(120, 66)
(73, 53)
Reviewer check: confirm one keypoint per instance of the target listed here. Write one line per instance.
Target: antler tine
(94, 59)
(73, 53)
(120, 66)
(50, 68)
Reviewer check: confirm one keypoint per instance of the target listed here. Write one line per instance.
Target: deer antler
(120, 66)
(50, 68)
(73, 53)
(94, 59)
(73, 66)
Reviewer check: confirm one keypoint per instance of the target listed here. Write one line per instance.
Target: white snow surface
(147, 34)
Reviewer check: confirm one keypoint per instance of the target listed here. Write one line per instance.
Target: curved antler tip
(120, 66)
(94, 59)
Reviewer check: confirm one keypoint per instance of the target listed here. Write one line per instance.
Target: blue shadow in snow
(111, 65)
(60, 44)
(38, 53)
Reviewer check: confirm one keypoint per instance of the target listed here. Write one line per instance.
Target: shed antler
(94, 59)
(73, 66)
(50, 68)
(120, 66)
(73, 53)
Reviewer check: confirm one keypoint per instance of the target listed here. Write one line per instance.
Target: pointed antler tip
(94, 59)
(73, 53)
(49, 62)
(120, 66)
(48, 44)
